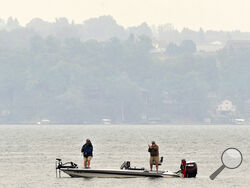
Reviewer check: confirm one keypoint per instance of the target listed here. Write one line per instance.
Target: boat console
(126, 166)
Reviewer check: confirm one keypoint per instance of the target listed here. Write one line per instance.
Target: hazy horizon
(194, 14)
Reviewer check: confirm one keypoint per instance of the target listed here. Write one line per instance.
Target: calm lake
(28, 153)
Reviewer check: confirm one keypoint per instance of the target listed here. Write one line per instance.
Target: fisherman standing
(87, 151)
(154, 155)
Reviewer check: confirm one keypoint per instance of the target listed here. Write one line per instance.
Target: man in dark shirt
(87, 151)
(154, 155)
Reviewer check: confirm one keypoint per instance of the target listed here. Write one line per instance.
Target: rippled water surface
(27, 153)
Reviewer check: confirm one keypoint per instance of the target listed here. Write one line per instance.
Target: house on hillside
(210, 47)
(225, 112)
(225, 107)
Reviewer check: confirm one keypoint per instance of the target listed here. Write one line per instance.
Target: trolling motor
(60, 165)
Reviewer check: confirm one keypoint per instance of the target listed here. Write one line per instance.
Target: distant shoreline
(123, 124)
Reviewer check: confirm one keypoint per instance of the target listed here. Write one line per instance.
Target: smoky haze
(208, 14)
(68, 72)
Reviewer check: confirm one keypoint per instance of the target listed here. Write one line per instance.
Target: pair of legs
(87, 161)
(154, 160)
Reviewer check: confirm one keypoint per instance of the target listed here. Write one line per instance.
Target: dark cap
(153, 142)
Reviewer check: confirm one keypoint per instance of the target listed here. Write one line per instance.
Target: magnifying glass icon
(231, 158)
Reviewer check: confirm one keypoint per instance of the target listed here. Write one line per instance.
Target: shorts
(87, 158)
(154, 160)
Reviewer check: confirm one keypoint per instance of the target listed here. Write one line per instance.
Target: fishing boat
(125, 171)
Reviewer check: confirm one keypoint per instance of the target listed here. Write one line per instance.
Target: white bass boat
(125, 171)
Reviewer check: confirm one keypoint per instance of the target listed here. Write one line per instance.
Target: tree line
(70, 79)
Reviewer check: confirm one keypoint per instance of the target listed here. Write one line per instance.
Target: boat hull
(89, 173)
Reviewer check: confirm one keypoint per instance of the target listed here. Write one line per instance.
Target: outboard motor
(183, 167)
(188, 168)
(191, 169)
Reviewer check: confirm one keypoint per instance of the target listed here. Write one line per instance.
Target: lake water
(27, 153)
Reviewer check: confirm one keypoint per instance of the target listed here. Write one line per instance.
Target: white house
(226, 106)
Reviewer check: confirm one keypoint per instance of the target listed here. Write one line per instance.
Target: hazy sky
(208, 14)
